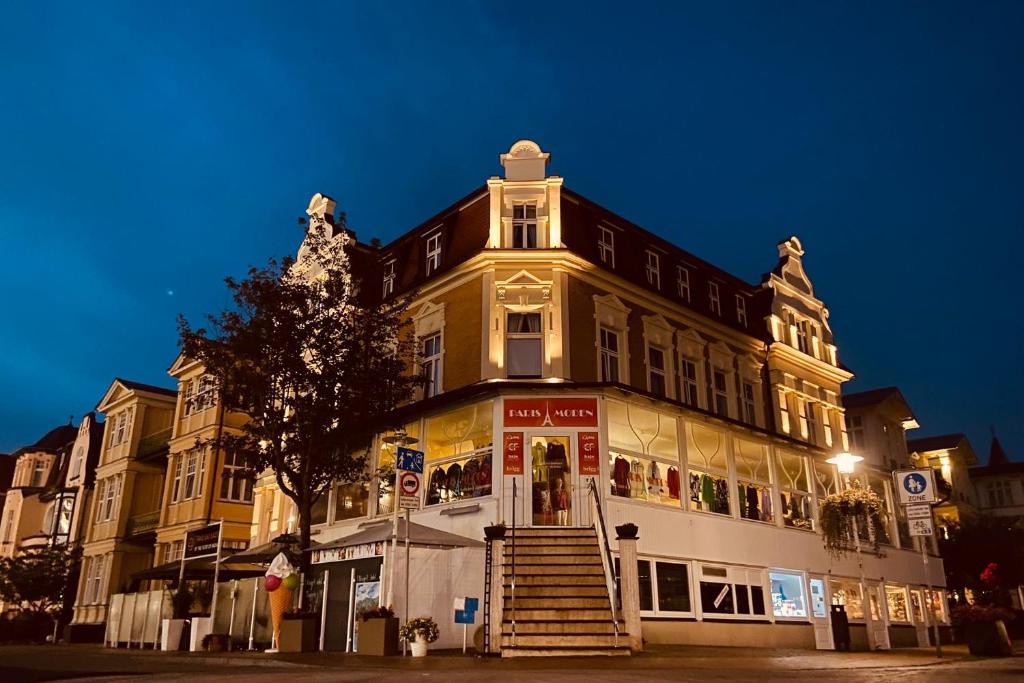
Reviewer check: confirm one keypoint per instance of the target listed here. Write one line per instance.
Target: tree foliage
(972, 546)
(314, 369)
(40, 579)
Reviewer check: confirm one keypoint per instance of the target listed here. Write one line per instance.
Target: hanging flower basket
(840, 511)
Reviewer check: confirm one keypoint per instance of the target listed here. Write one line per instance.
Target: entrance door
(820, 616)
(917, 613)
(879, 617)
(550, 491)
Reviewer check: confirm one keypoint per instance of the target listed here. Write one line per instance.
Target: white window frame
(683, 282)
(538, 336)
(741, 310)
(720, 391)
(714, 298)
(652, 268)
(606, 246)
(609, 358)
(748, 405)
(238, 479)
(734, 576)
(388, 286)
(652, 371)
(804, 596)
(656, 610)
(432, 365)
(38, 473)
(179, 470)
(687, 383)
(522, 225)
(811, 416)
(433, 250)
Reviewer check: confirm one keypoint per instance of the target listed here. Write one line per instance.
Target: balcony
(142, 524)
(154, 444)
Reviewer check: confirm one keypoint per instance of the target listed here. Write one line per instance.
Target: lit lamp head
(845, 462)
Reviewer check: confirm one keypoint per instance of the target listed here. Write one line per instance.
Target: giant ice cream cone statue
(280, 583)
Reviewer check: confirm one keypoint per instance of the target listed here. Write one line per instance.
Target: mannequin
(561, 504)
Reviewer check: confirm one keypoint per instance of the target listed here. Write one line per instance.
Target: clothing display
(673, 482)
(620, 477)
(753, 502)
(637, 487)
(695, 489)
(457, 481)
(552, 482)
(721, 496)
(655, 485)
(707, 493)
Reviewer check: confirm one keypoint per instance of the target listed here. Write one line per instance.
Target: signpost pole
(928, 585)
(399, 440)
(408, 515)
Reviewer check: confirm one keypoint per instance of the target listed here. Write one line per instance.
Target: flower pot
(298, 634)
(988, 638)
(626, 531)
(170, 634)
(379, 637)
(217, 642)
(419, 646)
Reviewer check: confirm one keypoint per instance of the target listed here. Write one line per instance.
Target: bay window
(643, 454)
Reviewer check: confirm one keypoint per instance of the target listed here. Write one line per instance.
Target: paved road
(92, 664)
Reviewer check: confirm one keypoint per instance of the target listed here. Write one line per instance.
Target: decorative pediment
(523, 290)
(690, 343)
(609, 310)
(429, 319)
(658, 330)
(721, 355)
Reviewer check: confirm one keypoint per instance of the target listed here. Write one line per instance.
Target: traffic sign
(409, 490)
(409, 460)
(921, 527)
(919, 511)
(915, 486)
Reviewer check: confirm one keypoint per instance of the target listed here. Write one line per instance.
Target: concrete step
(545, 579)
(555, 651)
(554, 569)
(551, 540)
(545, 602)
(596, 640)
(558, 591)
(554, 548)
(535, 559)
(552, 614)
(563, 627)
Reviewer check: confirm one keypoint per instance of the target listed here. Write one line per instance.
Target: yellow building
(950, 456)
(203, 484)
(126, 498)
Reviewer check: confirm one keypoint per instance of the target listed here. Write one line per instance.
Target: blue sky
(150, 149)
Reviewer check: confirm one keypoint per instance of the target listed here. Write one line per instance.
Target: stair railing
(515, 495)
(610, 579)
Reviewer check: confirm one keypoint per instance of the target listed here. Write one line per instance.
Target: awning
(419, 535)
(200, 568)
(264, 554)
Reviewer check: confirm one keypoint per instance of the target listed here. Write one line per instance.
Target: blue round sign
(915, 484)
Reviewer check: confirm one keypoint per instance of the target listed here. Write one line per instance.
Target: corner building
(566, 345)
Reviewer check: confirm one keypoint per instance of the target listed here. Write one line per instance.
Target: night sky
(149, 149)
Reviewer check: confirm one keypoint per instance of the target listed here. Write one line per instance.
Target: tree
(314, 367)
(41, 580)
(971, 546)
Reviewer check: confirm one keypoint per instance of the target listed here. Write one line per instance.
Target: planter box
(298, 635)
(379, 637)
(170, 634)
(989, 639)
(201, 626)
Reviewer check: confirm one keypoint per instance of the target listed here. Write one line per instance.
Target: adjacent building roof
(139, 386)
(876, 397)
(996, 454)
(935, 443)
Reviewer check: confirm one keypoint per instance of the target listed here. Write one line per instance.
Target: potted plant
(216, 642)
(419, 632)
(298, 631)
(984, 629)
(840, 511)
(173, 633)
(378, 632)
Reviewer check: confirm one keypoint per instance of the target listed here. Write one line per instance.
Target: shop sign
(513, 453)
(921, 527)
(915, 486)
(352, 552)
(202, 542)
(590, 458)
(550, 412)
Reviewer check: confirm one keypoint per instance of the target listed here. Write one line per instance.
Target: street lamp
(845, 462)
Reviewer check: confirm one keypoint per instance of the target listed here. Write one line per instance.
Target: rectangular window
(708, 481)
(524, 345)
(433, 253)
(812, 422)
(235, 479)
(459, 445)
(609, 355)
(431, 364)
(644, 479)
(389, 278)
(713, 299)
(656, 370)
(606, 246)
(683, 283)
(848, 594)
(188, 389)
(351, 501)
(206, 394)
(38, 473)
(9, 527)
(179, 465)
(688, 373)
(653, 270)
(731, 592)
(524, 226)
(673, 580)
(122, 420)
(856, 430)
(896, 600)
(801, 337)
(721, 392)
(789, 600)
(749, 405)
(101, 492)
(753, 481)
(189, 491)
(741, 310)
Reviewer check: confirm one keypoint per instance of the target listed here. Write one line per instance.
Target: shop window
(550, 478)
(524, 345)
(460, 479)
(847, 593)
(915, 606)
(459, 454)
(656, 370)
(688, 374)
(753, 481)
(643, 455)
(385, 473)
(351, 501)
(791, 469)
(731, 592)
(673, 581)
(936, 608)
(896, 601)
(609, 355)
(524, 226)
(788, 598)
(647, 432)
(708, 473)
(644, 479)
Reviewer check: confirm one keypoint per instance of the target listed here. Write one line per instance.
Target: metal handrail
(611, 580)
(513, 601)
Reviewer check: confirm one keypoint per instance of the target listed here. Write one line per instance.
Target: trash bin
(840, 628)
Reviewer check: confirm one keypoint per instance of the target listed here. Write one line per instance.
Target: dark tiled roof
(997, 470)
(56, 438)
(153, 389)
(871, 397)
(934, 443)
(996, 454)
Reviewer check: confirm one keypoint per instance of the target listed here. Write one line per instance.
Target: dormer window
(524, 226)
(741, 310)
(606, 247)
(389, 278)
(653, 270)
(39, 473)
(433, 252)
(714, 299)
(683, 283)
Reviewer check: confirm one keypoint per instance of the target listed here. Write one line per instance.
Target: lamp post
(846, 463)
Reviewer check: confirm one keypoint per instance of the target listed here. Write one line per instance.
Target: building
(202, 484)
(119, 536)
(567, 347)
(999, 485)
(951, 457)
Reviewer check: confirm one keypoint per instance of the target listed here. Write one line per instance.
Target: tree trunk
(305, 554)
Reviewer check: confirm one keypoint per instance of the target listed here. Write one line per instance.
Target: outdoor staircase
(562, 606)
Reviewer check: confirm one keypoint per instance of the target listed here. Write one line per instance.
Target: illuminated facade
(951, 457)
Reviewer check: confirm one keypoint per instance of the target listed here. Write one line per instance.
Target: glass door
(550, 481)
(820, 616)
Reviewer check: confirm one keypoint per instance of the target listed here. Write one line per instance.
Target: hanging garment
(766, 505)
(620, 477)
(752, 502)
(742, 498)
(436, 485)
(539, 454)
(455, 482)
(560, 499)
(655, 485)
(783, 508)
(722, 496)
(707, 492)
(673, 483)
(556, 459)
(485, 476)
(471, 479)
(637, 487)
(695, 487)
